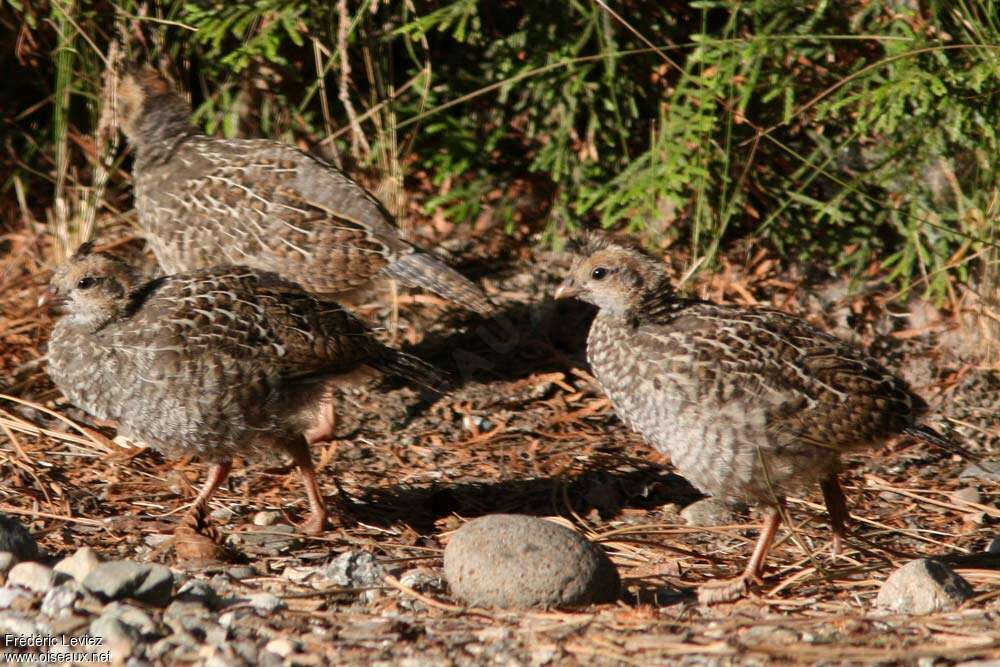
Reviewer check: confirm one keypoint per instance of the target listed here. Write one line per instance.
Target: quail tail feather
(927, 434)
(422, 270)
(410, 368)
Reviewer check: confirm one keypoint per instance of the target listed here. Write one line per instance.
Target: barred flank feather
(425, 271)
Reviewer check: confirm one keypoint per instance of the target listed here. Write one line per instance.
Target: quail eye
(599, 273)
(86, 282)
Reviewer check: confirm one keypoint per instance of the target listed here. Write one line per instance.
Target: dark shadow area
(607, 492)
(523, 339)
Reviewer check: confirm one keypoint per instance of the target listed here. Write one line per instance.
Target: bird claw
(315, 524)
(196, 540)
(728, 590)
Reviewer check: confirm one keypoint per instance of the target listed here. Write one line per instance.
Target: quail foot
(216, 363)
(750, 404)
(205, 201)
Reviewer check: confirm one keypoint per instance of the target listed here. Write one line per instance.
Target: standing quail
(750, 404)
(214, 362)
(205, 201)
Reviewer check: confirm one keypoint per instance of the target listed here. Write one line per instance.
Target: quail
(216, 363)
(205, 201)
(750, 404)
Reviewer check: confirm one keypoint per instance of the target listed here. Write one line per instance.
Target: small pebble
(60, 599)
(987, 471)
(923, 586)
(966, 495)
(80, 564)
(353, 569)
(514, 561)
(266, 602)
(994, 546)
(222, 515)
(281, 646)
(33, 576)
(267, 518)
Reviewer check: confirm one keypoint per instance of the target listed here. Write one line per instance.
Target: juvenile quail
(205, 201)
(750, 404)
(214, 362)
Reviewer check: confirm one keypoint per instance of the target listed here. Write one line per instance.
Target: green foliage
(848, 134)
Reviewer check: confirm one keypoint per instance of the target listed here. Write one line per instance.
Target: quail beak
(567, 289)
(53, 301)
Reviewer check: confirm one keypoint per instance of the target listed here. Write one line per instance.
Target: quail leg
(194, 539)
(733, 589)
(216, 476)
(315, 524)
(836, 506)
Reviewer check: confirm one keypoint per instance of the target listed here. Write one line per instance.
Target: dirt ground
(524, 429)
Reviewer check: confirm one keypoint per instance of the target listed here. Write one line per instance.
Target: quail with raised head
(206, 201)
(216, 363)
(750, 404)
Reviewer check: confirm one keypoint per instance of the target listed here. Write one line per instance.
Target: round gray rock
(515, 561)
(923, 586)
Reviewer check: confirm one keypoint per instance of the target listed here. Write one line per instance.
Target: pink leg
(216, 476)
(318, 514)
(733, 589)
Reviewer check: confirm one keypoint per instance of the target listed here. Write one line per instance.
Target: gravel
(516, 561)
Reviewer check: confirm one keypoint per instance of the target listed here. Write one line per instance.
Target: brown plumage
(217, 362)
(750, 404)
(205, 201)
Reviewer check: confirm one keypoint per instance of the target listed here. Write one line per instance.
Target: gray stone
(222, 515)
(9, 596)
(126, 579)
(710, 512)
(987, 471)
(281, 646)
(33, 576)
(60, 599)
(133, 617)
(967, 495)
(422, 580)
(353, 569)
(266, 602)
(80, 564)
(509, 560)
(271, 540)
(241, 572)
(923, 586)
(16, 539)
(267, 518)
(199, 591)
(994, 546)
(115, 636)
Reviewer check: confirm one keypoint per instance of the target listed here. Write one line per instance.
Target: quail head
(205, 201)
(216, 363)
(750, 404)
